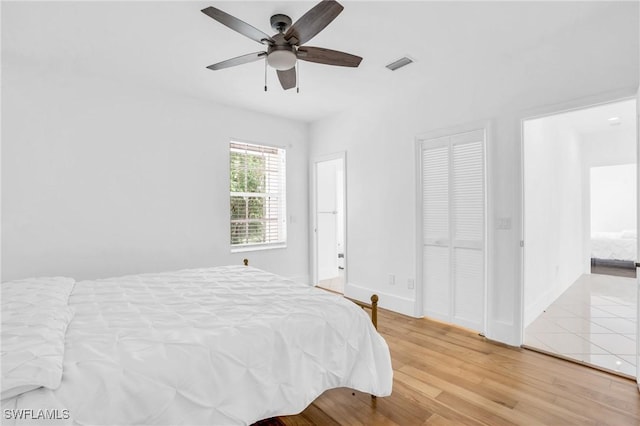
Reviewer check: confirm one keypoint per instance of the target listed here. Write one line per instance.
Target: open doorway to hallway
(580, 215)
(330, 223)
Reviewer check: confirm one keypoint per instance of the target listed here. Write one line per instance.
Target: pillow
(36, 292)
(35, 317)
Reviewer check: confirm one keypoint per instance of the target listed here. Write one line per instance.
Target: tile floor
(593, 321)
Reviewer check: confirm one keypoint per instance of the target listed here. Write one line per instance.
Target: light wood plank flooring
(448, 376)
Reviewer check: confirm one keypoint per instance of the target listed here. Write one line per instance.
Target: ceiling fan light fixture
(282, 60)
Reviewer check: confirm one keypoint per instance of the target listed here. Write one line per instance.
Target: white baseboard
(402, 305)
(536, 308)
(437, 316)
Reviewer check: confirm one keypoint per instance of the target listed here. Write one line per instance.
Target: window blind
(257, 195)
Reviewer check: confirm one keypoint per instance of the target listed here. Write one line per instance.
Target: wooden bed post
(374, 320)
(374, 310)
(373, 306)
(246, 262)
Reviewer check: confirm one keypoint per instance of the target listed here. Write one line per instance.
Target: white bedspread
(215, 346)
(614, 245)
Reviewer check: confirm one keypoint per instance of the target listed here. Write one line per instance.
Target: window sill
(258, 247)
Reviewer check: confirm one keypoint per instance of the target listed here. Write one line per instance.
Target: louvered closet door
(435, 228)
(453, 208)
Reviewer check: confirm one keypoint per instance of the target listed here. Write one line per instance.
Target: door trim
(638, 242)
(314, 219)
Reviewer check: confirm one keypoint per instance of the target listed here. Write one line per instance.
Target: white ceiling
(169, 45)
(597, 118)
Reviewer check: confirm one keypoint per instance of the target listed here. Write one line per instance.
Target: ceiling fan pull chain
(298, 79)
(265, 74)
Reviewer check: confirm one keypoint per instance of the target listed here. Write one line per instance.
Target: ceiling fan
(285, 47)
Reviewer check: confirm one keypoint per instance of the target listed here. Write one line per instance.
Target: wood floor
(447, 376)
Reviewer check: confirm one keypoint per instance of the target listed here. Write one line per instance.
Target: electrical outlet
(410, 284)
(392, 279)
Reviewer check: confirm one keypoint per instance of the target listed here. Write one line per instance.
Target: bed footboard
(373, 306)
(374, 319)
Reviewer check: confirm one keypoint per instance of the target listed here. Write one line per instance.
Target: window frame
(240, 146)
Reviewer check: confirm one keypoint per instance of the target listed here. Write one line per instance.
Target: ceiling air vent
(399, 63)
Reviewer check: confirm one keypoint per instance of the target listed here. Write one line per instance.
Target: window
(257, 194)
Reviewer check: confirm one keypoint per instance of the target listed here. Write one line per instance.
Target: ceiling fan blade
(237, 25)
(239, 60)
(328, 56)
(287, 78)
(314, 21)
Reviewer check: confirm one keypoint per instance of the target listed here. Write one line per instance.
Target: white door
(453, 228)
(327, 219)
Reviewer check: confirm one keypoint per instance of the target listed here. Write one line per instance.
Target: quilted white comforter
(214, 346)
(614, 245)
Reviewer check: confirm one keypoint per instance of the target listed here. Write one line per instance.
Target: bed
(215, 346)
(619, 248)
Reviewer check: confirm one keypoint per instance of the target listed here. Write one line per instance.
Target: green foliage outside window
(248, 175)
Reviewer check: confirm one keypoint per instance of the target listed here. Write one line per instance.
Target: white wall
(610, 147)
(381, 188)
(381, 175)
(379, 138)
(103, 177)
(553, 211)
(613, 198)
(604, 148)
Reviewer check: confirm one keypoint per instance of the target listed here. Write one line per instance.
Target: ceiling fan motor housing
(280, 22)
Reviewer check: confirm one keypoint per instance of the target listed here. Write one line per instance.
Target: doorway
(580, 295)
(330, 223)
